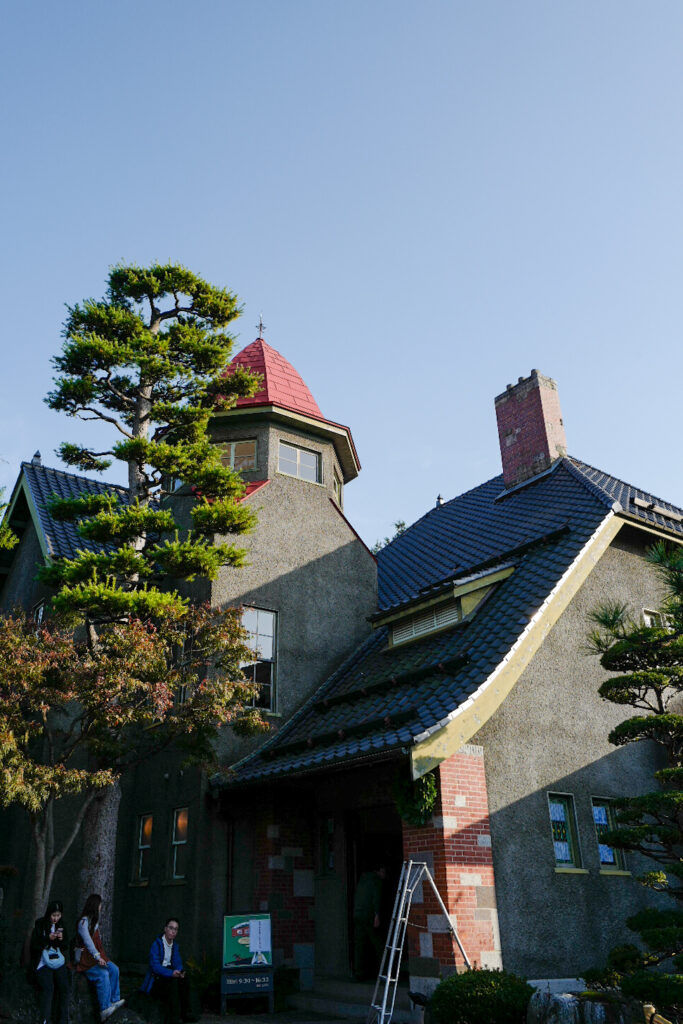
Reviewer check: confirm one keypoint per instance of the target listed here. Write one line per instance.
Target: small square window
(603, 817)
(239, 455)
(179, 843)
(143, 850)
(299, 462)
(563, 828)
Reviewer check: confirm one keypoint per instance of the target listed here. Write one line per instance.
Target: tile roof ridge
(373, 638)
(440, 509)
(578, 466)
(574, 468)
(73, 476)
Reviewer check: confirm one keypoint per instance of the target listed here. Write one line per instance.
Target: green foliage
(148, 361)
(399, 528)
(481, 997)
(415, 798)
(649, 660)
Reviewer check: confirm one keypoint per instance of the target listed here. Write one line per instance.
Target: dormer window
(239, 455)
(295, 461)
(429, 621)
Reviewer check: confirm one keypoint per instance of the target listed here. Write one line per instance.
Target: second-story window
(143, 850)
(301, 462)
(563, 828)
(179, 843)
(261, 626)
(338, 492)
(239, 455)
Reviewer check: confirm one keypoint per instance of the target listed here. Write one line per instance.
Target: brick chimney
(530, 427)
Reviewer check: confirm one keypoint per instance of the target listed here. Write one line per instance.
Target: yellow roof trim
(468, 719)
(481, 583)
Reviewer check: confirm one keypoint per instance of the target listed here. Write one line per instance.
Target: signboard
(247, 941)
(244, 981)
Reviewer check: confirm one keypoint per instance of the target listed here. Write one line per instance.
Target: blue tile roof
(62, 539)
(382, 698)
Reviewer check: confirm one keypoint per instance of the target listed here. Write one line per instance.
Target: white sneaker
(107, 1013)
(119, 1002)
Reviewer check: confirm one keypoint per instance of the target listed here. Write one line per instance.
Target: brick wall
(284, 886)
(457, 848)
(530, 427)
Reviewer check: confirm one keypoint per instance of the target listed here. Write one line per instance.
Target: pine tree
(148, 362)
(649, 660)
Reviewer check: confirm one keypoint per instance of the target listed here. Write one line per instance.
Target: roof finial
(439, 501)
(260, 327)
(36, 460)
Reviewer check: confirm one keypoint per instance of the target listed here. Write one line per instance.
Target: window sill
(142, 884)
(175, 881)
(616, 871)
(571, 871)
(291, 476)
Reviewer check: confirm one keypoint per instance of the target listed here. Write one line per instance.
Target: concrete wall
(20, 588)
(550, 735)
(306, 564)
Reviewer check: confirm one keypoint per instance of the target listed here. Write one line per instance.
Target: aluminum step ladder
(412, 873)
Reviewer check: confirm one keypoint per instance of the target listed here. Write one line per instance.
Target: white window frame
(658, 619)
(299, 450)
(228, 449)
(258, 659)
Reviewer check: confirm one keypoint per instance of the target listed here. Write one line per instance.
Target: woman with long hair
(94, 962)
(48, 942)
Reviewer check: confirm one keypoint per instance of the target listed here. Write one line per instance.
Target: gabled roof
(386, 700)
(282, 385)
(58, 540)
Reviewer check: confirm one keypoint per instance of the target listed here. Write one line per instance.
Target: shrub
(481, 997)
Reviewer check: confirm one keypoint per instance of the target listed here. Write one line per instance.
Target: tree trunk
(99, 856)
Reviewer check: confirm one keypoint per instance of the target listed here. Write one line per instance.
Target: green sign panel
(246, 940)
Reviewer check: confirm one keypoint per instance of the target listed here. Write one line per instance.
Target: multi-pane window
(299, 462)
(563, 827)
(143, 851)
(38, 613)
(261, 626)
(338, 493)
(179, 843)
(239, 454)
(603, 816)
(659, 619)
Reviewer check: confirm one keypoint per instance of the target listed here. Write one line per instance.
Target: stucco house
(458, 651)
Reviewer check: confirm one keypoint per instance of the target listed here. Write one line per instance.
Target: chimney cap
(37, 459)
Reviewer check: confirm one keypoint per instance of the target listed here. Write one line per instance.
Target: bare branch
(97, 415)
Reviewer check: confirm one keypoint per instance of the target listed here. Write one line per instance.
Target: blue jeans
(106, 981)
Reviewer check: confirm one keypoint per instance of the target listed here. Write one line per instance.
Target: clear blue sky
(425, 200)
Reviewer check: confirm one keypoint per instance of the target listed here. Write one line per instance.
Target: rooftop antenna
(260, 327)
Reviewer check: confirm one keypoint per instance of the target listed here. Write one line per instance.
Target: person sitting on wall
(165, 979)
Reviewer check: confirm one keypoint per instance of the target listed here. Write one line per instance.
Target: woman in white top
(94, 962)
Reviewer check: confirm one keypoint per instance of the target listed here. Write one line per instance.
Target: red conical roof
(281, 385)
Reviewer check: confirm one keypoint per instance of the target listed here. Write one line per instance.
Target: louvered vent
(426, 622)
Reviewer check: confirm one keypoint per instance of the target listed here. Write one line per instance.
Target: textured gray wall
(20, 587)
(550, 735)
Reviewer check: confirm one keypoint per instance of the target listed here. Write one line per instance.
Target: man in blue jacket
(165, 978)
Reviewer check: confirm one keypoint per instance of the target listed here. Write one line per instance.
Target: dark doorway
(374, 837)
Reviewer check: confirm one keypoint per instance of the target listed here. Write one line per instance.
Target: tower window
(337, 485)
(239, 455)
(299, 462)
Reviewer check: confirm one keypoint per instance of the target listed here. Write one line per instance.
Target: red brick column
(457, 848)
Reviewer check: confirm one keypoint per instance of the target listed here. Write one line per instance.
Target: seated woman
(48, 942)
(94, 962)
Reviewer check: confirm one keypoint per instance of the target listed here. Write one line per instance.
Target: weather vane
(260, 326)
